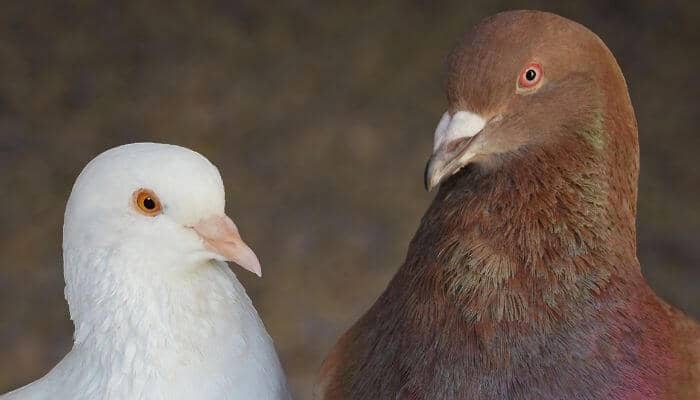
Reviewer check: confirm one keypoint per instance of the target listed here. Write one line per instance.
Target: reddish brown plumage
(522, 280)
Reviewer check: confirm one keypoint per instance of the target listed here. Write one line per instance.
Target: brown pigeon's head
(529, 82)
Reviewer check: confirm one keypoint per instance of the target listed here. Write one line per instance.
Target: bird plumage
(157, 314)
(522, 280)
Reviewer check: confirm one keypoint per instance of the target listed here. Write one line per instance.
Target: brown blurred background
(320, 117)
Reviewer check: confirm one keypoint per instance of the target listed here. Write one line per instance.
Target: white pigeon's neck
(143, 326)
(189, 333)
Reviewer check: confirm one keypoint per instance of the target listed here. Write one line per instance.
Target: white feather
(155, 318)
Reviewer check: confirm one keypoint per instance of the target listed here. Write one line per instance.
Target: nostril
(454, 145)
(441, 129)
(464, 124)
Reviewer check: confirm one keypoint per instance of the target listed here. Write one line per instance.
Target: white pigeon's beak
(451, 149)
(220, 235)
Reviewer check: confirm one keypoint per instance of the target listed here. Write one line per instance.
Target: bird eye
(147, 203)
(530, 76)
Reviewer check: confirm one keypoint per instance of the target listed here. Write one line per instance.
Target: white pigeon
(157, 313)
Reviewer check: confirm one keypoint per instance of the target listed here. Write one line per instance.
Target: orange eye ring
(147, 203)
(530, 76)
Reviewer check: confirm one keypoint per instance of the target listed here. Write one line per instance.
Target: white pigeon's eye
(147, 203)
(530, 77)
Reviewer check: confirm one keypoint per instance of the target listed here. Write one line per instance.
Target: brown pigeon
(522, 281)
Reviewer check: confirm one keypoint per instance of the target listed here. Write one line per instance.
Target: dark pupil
(149, 203)
(530, 74)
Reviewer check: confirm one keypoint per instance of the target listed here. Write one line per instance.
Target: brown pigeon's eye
(147, 202)
(530, 76)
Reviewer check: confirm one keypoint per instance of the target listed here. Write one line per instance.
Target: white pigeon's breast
(213, 347)
(254, 373)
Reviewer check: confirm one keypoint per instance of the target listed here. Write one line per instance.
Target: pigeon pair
(521, 282)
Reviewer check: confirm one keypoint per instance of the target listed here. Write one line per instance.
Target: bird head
(157, 206)
(523, 80)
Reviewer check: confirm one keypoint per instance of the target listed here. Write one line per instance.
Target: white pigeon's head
(159, 207)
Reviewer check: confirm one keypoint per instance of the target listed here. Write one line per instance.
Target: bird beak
(220, 235)
(451, 149)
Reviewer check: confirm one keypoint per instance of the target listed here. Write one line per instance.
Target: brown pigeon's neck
(536, 239)
(519, 275)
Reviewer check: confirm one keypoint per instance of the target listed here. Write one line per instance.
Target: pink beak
(221, 236)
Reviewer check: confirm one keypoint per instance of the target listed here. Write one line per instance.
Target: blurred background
(320, 118)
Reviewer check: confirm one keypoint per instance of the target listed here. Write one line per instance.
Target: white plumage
(158, 314)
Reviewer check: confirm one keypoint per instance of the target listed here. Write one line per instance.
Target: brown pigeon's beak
(221, 236)
(451, 150)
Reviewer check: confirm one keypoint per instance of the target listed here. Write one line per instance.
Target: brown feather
(522, 281)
